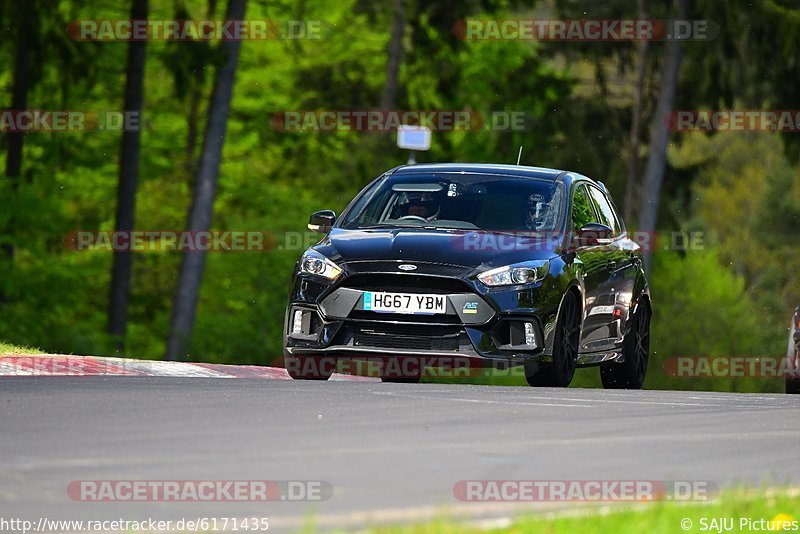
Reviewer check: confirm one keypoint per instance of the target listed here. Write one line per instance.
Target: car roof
(522, 171)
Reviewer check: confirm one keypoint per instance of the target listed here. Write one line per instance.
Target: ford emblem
(407, 267)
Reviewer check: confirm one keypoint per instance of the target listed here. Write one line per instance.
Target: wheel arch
(641, 296)
(574, 287)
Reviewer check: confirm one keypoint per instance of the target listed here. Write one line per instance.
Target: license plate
(404, 303)
(601, 310)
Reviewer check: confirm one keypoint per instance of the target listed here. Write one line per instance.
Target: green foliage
(747, 200)
(701, 309)
(766, 511)
(6, 348)
(576, 97)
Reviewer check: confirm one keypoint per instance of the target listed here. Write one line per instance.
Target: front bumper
(478, 324)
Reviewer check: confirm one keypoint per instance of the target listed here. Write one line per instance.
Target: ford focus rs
(497, 265)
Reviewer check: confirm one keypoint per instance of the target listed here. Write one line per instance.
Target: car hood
(464, 248)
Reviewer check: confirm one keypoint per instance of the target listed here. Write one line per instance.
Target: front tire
(630, 373)
(559, 373)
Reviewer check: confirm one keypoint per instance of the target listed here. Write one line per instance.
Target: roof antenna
(519, 156)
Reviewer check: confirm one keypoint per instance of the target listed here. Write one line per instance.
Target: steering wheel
(415, 217)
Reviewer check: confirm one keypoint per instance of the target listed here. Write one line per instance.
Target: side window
(582, 210)
(605, 210)
(366, 211)
(617, 216)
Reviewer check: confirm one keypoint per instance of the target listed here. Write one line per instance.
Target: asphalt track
(392, 452)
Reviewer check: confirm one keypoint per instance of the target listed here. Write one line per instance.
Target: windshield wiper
(376, 226)
(424, 227)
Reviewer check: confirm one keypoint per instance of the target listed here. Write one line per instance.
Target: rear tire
(631, 372)
(793, 371)
(559, 373)
(792, 385)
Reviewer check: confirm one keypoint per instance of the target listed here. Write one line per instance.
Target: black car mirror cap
(593, 234)
(322, 221)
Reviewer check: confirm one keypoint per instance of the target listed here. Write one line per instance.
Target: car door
(614, 295)
(593, 263)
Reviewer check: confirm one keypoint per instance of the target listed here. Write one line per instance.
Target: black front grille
(409, 337)
(405, 317)
(409, 283)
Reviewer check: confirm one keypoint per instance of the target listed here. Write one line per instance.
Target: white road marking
(587, 402)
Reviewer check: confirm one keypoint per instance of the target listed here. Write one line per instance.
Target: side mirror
(322, 221)
(592, 233)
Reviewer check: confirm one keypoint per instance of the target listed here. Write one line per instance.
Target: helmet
(419, 203)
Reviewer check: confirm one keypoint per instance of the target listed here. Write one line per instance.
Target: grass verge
(734, 511)
(8, 348)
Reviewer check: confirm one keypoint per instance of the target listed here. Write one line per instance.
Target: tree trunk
(193, 262)
(19, 101)
(19, 92)
(659, 135)
(389, 96)
(122, 266)
(636, 120)
(195, 99)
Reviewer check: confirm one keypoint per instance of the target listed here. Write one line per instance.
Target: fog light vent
(301, 322)
(530, 335)
(522, 335)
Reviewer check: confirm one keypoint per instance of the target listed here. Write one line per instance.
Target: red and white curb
(64, 365)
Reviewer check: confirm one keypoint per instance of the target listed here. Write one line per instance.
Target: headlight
(315, 263)
(513, 275)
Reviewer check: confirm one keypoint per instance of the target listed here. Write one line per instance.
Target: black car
(491, 264)
(792, 353)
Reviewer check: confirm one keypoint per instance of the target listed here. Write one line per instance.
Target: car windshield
(459, 201)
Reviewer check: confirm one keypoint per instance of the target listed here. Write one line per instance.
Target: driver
(422, 205)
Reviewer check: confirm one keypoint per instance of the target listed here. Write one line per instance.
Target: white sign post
(413, 138)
